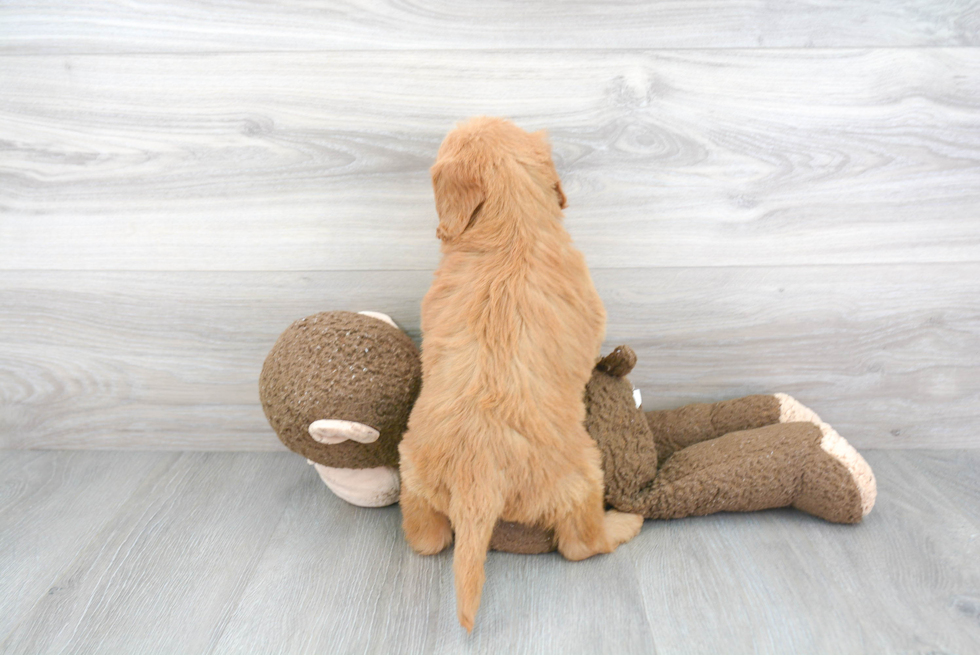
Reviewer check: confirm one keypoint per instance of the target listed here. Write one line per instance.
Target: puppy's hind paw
(431, 537)
(621, 527)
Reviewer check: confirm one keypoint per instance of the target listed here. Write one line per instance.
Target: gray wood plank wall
(771, 197)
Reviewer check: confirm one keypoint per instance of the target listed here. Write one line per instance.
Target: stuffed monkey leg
(787, 464)
(675, 429)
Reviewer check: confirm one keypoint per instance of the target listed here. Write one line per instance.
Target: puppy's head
(491, 161)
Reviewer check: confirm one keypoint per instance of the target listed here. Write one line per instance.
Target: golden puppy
(512, 327)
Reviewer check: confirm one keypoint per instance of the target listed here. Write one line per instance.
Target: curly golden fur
(512, 327)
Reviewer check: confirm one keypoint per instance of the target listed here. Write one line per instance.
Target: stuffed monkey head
(337, 388)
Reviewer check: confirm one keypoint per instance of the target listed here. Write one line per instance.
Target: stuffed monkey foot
(779, 465)
(745, 454)
(791, 410)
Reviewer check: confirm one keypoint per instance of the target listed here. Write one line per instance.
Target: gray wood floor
(125, 552)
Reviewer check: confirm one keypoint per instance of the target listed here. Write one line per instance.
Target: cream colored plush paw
(793, 411)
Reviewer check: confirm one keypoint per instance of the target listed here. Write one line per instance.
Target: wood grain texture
(906, 581)
(102, 26)
(890, 355)
(228, 553)
(165, 572)
(319, 161)
(356, 587)
(51, 506)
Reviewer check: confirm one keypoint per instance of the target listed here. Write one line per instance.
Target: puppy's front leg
(589, 532)
(586, 529)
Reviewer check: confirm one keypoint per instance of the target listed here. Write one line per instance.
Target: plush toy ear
(333, 431)
(381, 317)
(619, 362)
(459, 194)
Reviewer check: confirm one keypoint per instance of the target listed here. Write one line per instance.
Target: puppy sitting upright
(512, 327)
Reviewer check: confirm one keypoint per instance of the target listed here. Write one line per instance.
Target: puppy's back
(512, 326)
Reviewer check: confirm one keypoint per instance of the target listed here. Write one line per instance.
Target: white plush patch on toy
(380, 317)
(333, 431)
(374, 487)
(637, 398)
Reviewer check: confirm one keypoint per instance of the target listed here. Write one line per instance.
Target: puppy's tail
(474, 527)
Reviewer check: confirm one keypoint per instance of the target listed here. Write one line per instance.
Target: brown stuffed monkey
(338, 387)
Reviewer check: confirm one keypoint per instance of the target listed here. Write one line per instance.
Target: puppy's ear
(459, 194)
(562, 202)
(545, 155)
